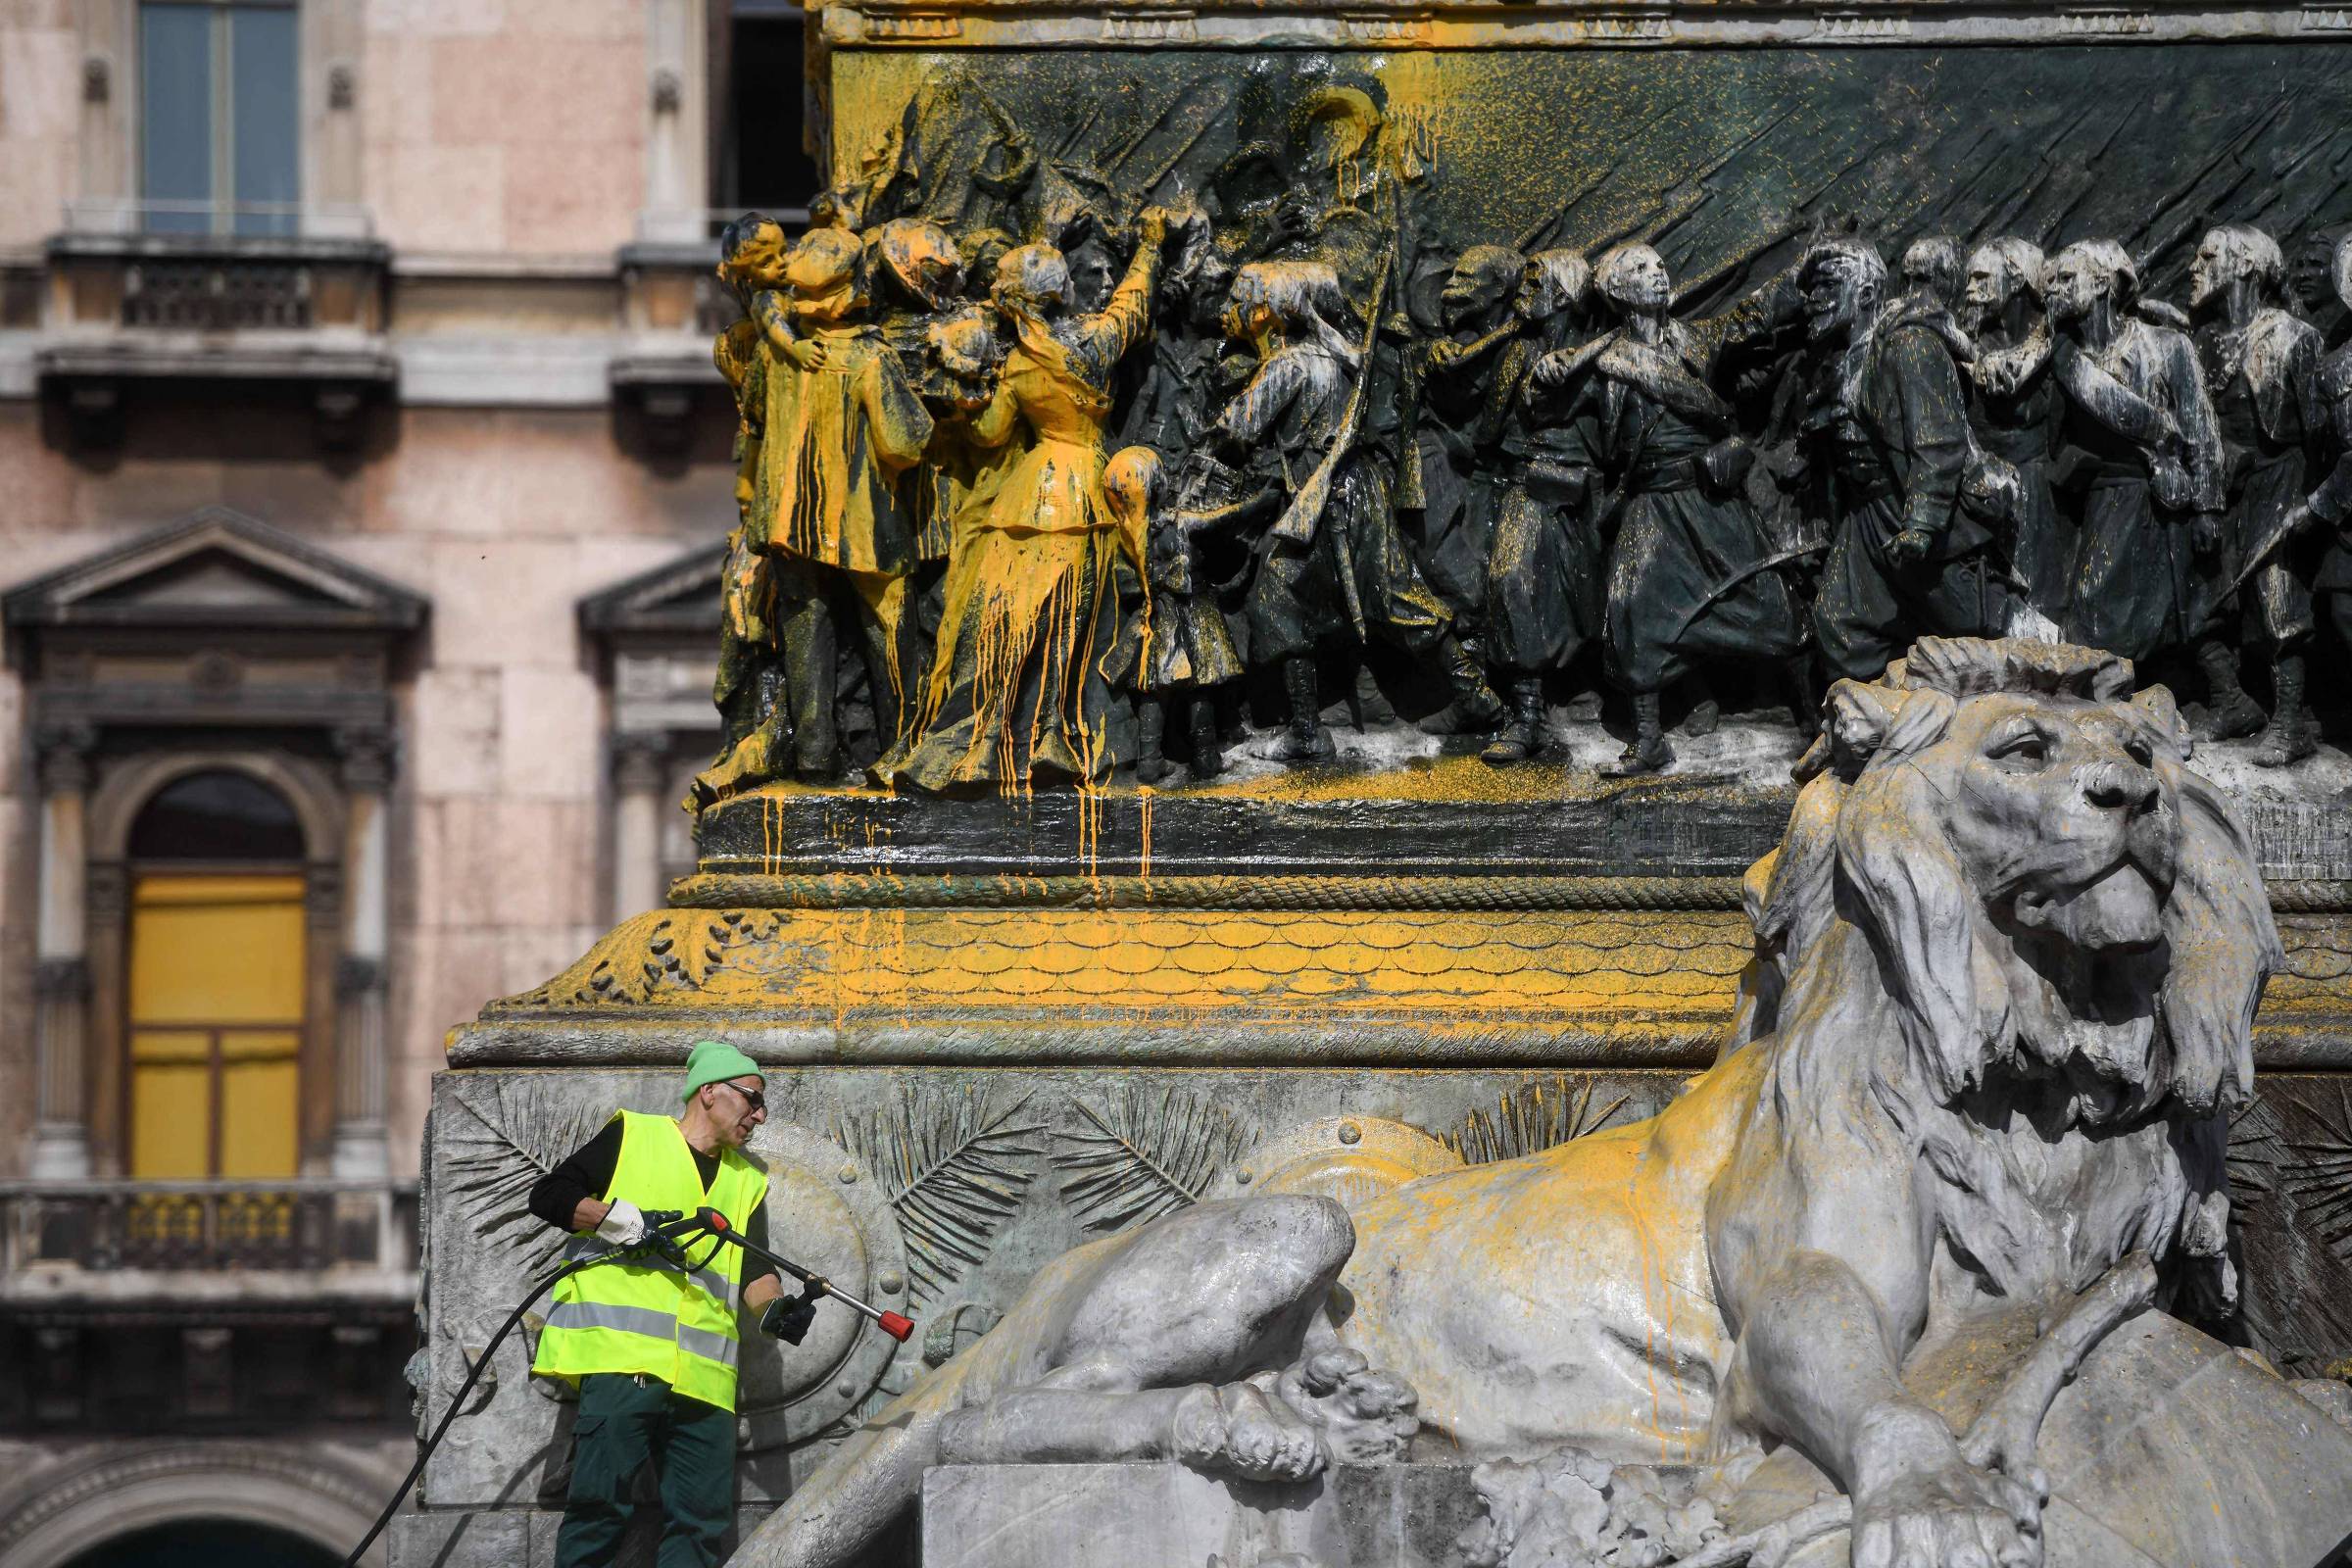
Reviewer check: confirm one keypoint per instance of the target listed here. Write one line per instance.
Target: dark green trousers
(622, 1423)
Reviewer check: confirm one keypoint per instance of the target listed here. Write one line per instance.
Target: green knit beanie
(711, 1060)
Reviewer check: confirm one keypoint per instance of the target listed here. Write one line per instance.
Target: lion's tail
(865, 1486)
(872, 1479)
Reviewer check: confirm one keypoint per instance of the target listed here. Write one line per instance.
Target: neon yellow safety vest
(648, 1315)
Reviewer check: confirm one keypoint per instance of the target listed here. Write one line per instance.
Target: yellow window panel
(217, 1002)
(258, 1118)
(170, 1120)
(216, 950)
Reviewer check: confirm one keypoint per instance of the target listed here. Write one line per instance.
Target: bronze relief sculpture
(1486, 478)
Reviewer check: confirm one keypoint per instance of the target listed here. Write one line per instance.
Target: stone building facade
(361, 478)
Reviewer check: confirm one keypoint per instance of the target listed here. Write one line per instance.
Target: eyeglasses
(756, 1099)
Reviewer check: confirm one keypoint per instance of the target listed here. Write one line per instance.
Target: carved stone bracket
(62, 751)
(62, 980)
(640, 763)
(357, 976)
(364, 752)
(106, 893)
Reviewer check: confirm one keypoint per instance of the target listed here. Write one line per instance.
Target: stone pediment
(216, 569)
(680, 596)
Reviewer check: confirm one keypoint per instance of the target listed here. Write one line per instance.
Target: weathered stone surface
(1166, 1515)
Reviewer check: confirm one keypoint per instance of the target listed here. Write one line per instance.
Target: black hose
(458, 1402)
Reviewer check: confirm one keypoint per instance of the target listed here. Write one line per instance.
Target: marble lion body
(2008, 955)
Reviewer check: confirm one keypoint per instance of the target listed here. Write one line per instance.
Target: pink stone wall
(40, 104)
(504, 519)
(512, 127)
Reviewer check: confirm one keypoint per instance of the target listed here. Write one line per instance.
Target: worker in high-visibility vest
(651, 1343)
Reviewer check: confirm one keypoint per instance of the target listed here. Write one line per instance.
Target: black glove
(653, 1238)
(787, 1318)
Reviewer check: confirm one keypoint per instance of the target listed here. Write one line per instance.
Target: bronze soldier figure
(1544, 560)
(2013, 408)
(1466, 406)
(2259, 363)
(2141, 457)
(1888, 422)
(840, 429)
(749, 688)
(1332, 562)
(1686, 577)
(916, 280)
(2330, 505)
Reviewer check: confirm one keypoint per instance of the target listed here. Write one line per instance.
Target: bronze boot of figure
(1649, 752)
(2228, 712)
(1304, 739)
(1150, 730)
(1475, 705)
(1706, 714)
(1207, 760)
(1522, 737)
(2292, 733)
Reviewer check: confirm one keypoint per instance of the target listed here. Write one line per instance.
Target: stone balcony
(214, 1306)
(175, 313)
(117, 1243)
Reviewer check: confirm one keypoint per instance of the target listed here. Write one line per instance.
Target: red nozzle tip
(896, 1327)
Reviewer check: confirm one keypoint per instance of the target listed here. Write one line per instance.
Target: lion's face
(2047, 887)
(2060, 819)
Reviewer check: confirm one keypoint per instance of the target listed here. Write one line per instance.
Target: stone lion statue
(2009, 951)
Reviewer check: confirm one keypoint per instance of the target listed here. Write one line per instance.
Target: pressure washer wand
(711, 1222)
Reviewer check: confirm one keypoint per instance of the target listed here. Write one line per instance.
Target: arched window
(204, 1543)
(215, 1003)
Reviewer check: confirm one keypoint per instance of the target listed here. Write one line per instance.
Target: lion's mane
(2031, 1112)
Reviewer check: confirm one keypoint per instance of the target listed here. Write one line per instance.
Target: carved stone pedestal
(974, 1067)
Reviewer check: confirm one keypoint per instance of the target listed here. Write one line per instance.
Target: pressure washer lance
(663, 1241)
(710, 1221)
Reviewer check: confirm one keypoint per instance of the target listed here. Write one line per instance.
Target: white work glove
(624, 1224)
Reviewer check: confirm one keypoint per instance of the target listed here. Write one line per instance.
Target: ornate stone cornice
(1565, 24)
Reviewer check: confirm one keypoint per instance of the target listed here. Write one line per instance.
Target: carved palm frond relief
(2320, 1176)
(1145, 1152)
(2290, 1216)
(955, 1166)
(499, 1137)
(1535, 1116)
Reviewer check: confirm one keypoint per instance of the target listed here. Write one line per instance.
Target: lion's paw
(1948, 1516)
(1366, 1415)
(1236, 1430)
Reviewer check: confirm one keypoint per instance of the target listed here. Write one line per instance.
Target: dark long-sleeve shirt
(588, 1172)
